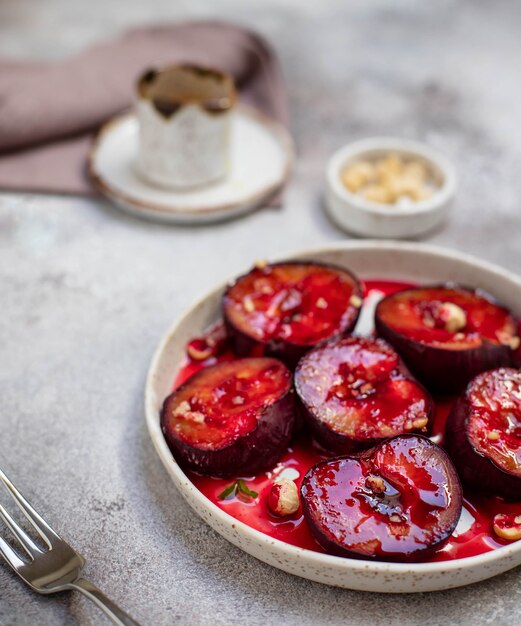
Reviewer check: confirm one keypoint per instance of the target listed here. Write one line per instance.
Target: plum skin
(474, 467)
(331, 547)
(290, 353)
(442, 370)
(255, 452)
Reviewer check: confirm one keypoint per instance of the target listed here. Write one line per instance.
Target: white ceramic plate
(368, 259)
(261, 158)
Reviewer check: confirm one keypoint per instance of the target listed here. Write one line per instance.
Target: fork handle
(105, 604)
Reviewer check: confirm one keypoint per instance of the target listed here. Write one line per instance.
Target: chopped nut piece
(200, 350)
(375, 483)
(492, 435)
(355, 301)
(366, 388)
(408, 425)
(453, 316)
(357, 175)
(249, 307)
(395, 518)
(182, 408)
(416, 170)
(507, 526)
(195, 416)
(321, 303)
(261, 264)
(237, 400)
(378, 194)
(284, 499)
(420, 423)
(392, 163)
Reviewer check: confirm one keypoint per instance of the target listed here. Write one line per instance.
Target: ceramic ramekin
(359, 216)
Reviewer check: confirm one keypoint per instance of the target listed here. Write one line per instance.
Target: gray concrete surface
(86, 293)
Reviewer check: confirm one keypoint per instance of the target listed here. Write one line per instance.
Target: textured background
(86, 293)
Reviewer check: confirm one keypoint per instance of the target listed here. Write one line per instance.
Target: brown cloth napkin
(50, 111)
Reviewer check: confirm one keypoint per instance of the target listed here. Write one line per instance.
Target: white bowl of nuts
(392, 188)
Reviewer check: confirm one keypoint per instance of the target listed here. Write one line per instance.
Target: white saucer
(262, 154)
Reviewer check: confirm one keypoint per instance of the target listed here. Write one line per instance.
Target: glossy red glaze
(354, 391)
(396, 501)
(494, 420)
(475, 537)
(419, 315)
(296, 303)
(224, 402)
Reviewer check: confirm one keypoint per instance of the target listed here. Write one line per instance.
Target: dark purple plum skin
(257, 451)
(334, 442)
(475, 468)
(288, 352)
(444, 371)
(424, 552)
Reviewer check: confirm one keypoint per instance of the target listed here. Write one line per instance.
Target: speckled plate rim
(189, 215)
(332, 570)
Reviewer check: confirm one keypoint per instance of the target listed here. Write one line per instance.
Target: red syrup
(473, 536)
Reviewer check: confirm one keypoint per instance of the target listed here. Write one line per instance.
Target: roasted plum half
(285, 309)
(447, 334)
(354, 391)
(483, 433)
(233, 418)
(398, 501)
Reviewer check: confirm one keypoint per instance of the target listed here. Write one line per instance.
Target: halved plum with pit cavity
(285, 309)
(483, 433)
(447, 334)
(355, 391)
(233, 418)
(398, 501)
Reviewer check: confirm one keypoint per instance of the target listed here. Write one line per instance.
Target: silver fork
(56, 568)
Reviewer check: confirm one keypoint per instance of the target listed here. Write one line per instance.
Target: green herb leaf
(237, 487)
(243, 488)
(229, 492)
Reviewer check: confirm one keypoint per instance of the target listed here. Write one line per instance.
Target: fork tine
(39, 524)
(27, 543)
(10, 555)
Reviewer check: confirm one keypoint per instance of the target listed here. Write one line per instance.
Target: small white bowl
(359, 216)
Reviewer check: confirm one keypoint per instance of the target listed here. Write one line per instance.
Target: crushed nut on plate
(391, 180)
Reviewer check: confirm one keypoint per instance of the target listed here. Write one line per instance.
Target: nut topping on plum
(375, 483)
(454, 317)
(443, 315)
(507, 526)
(513, 342)
(284, 499)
